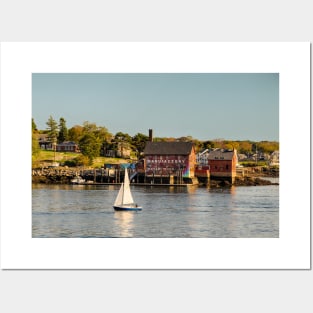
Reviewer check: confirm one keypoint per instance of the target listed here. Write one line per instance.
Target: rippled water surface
(86, 211)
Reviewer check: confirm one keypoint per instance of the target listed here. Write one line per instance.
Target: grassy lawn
(46, 157)
(99, 161)
(253, 163)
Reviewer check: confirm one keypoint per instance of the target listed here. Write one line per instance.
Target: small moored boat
(78, 180)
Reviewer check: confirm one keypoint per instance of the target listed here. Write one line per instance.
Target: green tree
(139, 142)
(208, 144)
(103, 134)
(52, 129)
(185, 139)
(89, 127)
(63, 131)
(75, 133)
(34, 126)
(231, 145)
(267, 146)
(82, 160)
(159, 139)
(100, 132)
(90, 146)
(122, 137)
(121, 143)
(35, 143)
(197, 144)
(245, 147)
(219, 143)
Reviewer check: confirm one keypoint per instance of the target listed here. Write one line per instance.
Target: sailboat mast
(123, 191)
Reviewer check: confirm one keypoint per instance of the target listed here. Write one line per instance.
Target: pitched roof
(168, 148)
(68, 143)
(42, 137)
(221, 154)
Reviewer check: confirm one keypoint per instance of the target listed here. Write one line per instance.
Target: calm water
(86, 211)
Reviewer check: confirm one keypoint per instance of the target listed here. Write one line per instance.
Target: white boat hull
(78, 181)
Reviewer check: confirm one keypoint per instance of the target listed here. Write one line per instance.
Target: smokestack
(150, 135)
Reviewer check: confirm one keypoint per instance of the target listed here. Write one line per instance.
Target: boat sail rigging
(124, 200)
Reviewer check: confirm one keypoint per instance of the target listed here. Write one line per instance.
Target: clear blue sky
(204, 106)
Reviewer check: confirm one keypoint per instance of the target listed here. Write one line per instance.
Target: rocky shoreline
(243, 181)
(65, 175)
(53, 175)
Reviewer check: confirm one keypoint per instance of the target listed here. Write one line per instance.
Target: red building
(222, 164)
(170, 158)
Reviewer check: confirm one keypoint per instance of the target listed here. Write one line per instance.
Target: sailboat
(124, 200)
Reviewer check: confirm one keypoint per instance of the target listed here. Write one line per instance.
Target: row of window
(164, 168)
(221, 168)
(166, 161)
(158, 171)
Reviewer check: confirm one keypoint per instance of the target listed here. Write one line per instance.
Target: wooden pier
(108, 177)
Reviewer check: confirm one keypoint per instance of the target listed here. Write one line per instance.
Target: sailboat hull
(127, 208)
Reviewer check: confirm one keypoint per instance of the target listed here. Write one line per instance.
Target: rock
(262, 182)
(251, 181)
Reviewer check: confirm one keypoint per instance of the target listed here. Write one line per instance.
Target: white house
(202, 157)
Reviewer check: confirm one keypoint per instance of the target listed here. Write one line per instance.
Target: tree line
(93, 139)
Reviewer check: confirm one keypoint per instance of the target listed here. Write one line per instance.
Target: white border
(20, 251)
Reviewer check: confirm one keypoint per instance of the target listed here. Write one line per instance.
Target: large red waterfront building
(170, 158)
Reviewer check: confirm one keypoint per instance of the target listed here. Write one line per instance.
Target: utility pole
(54, 148)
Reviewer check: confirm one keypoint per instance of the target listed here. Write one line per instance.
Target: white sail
(127, 196)
(119, 198)
(124, 200)
(124, 195)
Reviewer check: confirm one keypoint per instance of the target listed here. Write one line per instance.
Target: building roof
(42, 137)
(168, 148)
(221, 154)
(68, 143)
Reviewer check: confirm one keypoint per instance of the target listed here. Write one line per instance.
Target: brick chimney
(150, 135)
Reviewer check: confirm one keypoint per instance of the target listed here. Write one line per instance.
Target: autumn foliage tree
(92, 139)
(75, 133)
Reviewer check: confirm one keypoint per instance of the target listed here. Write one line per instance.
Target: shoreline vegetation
(43, 171)
(60, 155)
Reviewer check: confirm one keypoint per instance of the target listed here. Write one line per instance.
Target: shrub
(70, 163)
